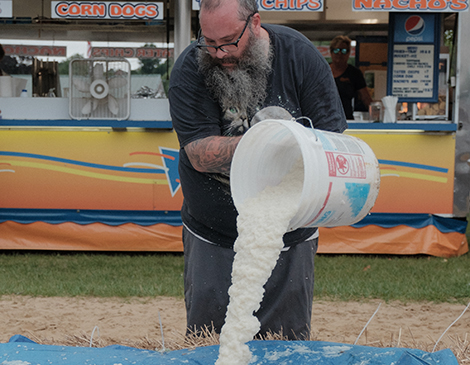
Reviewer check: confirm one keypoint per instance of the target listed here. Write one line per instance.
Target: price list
(413, 70)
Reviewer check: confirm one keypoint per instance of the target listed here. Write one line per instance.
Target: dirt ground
(60, 320)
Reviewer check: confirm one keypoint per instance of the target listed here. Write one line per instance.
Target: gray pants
(288, 298)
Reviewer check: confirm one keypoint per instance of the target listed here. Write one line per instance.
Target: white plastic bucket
(341, 172)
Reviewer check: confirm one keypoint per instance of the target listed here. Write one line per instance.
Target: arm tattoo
(212, 154)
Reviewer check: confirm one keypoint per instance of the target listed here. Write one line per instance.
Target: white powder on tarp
(261, 224)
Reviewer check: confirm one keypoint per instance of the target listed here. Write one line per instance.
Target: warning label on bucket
(346, 165)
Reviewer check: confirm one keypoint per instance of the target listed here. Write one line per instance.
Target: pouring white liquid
(261, 224)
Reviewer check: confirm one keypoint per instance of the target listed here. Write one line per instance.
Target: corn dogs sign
(106, 10)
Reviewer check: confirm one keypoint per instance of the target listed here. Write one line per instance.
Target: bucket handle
(311, 125)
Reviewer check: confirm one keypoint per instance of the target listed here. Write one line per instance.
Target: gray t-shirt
(300, 82)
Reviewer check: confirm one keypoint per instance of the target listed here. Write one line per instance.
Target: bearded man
(237, 67)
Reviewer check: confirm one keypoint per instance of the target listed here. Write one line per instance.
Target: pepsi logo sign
(415, 25)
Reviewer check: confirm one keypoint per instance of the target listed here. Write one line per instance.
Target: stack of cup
(390, 108)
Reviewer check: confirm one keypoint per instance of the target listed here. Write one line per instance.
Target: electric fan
(99, 89)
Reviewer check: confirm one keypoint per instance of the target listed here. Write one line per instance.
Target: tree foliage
(17, 65)
(63, 67)
(153, 66)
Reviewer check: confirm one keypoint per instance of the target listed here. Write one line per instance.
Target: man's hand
(212, 154)
(270, 112)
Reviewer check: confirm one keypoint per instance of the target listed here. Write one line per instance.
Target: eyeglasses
(228, 47)
(342, 50)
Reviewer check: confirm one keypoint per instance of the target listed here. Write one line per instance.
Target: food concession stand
(95, 167)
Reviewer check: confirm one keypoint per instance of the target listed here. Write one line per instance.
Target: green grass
(404, 278)
(338, 277)
(91, 274)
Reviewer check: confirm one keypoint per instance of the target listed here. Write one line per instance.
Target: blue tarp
(22, 351)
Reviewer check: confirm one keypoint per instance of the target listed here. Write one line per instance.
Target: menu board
(413, 57)
(413, 70)
(6, 9)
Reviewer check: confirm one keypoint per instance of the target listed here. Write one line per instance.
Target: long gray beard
(242, 89)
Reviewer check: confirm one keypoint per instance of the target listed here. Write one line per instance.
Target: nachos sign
(411, 5)
(106, 10)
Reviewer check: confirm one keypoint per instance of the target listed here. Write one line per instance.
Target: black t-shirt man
(348, 84)
(300, 82)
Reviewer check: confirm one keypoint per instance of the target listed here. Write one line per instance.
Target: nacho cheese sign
(106, 10)
(410, 5)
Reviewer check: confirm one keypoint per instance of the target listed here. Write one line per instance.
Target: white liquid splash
(261, 224)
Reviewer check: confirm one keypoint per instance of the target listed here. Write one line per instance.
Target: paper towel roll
(6, 86)
(18, 84)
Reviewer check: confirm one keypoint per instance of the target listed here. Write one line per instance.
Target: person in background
(349, 79)
(2, 54)
(237, 67)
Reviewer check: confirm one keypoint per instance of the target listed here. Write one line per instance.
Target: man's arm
(365, 96)
(212, 154)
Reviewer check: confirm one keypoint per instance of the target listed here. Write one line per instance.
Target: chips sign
(290, 5)
(411, 5)
(106, 10)
(281, 5)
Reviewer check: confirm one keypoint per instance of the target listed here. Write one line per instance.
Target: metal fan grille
(99, 89)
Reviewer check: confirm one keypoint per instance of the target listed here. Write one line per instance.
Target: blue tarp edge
(21, 350)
